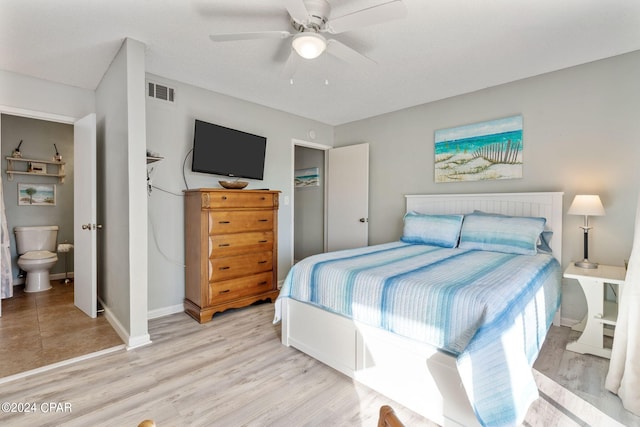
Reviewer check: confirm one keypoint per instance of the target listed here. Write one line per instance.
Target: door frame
(39, 115)
(307, 144)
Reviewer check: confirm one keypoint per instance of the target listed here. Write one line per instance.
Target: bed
(447, 321)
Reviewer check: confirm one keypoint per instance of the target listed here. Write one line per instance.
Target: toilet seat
(38, 255)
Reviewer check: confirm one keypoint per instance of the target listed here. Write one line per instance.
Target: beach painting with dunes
(309, 177)
(479, 151)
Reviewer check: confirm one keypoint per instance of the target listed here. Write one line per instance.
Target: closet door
(348, 197)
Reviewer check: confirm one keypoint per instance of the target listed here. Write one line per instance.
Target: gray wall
(38, 137)
(309, 206)
(170, 134)
(122, 207)
(43, 99)
(580, 135)
(119, 104)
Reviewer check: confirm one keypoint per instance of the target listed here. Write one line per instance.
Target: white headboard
(547, 205)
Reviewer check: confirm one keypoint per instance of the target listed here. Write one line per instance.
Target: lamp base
(586, 264)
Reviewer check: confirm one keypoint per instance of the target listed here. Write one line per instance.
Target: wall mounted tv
(222, 151)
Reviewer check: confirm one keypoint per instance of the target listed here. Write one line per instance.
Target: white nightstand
(599, 311)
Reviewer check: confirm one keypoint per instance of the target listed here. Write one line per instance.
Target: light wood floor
(233, 371)
(42, 328)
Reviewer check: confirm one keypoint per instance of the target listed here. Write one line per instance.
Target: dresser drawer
(222, 222)
(240, 265)
(223, 245)
(238, 288)
(217, 200)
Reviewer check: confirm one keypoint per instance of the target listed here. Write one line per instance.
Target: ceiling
(441, 49)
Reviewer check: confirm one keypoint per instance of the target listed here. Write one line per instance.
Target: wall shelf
(13, 161)
(153, 159)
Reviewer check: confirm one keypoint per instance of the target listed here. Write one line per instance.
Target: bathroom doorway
(39, 140)
(45, 327)
(309, 202)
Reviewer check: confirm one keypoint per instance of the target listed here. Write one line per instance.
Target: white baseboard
(165, 311)
(130, 342)
(565, 321)
(56, 276)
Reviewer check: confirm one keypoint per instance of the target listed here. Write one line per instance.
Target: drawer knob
(264, 282)
(263, 220)
(222, 245)
(224, 268)
(224, 222)
(262, 241)
(224, 197)
(262, 262)
(225, 291)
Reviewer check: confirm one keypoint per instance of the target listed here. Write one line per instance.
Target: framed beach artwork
(36, 194)
(309, 177)
(480, 151)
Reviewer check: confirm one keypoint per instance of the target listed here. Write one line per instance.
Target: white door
(348, 197)
(84, 215)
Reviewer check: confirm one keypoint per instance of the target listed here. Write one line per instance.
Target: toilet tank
(40, 238)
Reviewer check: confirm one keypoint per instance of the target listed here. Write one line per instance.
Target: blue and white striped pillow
(435, 230)
(499, 233)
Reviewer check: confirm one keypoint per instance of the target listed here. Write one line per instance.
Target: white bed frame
(415, 375)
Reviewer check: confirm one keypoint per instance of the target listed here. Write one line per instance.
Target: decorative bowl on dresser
(231, 250)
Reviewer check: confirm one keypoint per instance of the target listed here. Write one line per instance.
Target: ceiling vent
(161, 92)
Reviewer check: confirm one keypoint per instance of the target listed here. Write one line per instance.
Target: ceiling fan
(310, 19)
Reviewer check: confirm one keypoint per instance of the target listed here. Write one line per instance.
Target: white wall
(121, 140)
(581, 136)
(170, 133)
(44, 98)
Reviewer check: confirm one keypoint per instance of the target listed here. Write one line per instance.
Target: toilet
(36, 247)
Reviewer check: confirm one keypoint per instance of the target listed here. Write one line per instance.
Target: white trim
(35, 371)
(308, 144)
(131, 342)
(139, 341)
(33, 114)
(165, 311)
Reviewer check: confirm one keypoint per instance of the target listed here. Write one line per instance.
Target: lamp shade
(309, 45)
(588, 205)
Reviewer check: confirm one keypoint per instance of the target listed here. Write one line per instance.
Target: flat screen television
(222, 151)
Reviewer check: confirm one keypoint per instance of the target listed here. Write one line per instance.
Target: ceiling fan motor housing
(319, 11)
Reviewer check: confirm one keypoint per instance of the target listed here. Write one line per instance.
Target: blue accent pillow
(501, 233)
(543, 244)
(435, 230)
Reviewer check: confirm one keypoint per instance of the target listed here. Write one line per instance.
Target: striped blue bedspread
(490, 310)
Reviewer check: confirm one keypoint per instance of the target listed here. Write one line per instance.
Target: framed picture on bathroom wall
(36, 194)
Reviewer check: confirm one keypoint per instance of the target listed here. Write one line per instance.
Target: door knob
(91, 226)
(363, 219)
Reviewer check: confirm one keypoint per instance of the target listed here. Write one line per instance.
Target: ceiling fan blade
(347, 54)
(297, 10)
(290, 67)
(250, 36)
(384, 12)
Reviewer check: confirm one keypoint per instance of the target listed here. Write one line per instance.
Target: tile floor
(38, 329)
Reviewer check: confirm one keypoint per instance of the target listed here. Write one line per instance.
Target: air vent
(163, 93)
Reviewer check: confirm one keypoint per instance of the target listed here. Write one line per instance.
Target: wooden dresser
(231, 250)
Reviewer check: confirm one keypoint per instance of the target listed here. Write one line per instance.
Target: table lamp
(586, 205)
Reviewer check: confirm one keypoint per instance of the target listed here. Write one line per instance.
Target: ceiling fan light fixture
(309, 45)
